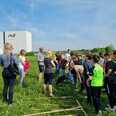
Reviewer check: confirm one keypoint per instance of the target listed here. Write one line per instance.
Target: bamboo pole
(55, 111)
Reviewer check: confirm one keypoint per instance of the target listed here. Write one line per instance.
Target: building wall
(29, 41)
(20, 40)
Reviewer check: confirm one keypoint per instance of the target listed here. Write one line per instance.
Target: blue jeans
(8, 85)
(57, 70)
(22, 75)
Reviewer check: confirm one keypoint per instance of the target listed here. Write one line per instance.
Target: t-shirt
(112, 76)
(5, 60)
(88, 68)
(48, 65)
(107, 65)
(67, 57)
(22, 58)
(98, 76)
(41, 58)
(101, 61)
(113, 66)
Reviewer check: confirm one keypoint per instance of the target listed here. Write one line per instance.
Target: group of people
(95, 73)
(13, 65)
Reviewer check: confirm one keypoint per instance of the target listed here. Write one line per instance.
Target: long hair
(8, 48)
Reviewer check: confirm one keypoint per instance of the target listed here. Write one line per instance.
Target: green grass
(29, 98)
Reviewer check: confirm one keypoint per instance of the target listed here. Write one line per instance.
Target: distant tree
(109, 48)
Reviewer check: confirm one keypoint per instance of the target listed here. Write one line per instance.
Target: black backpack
(12, 70)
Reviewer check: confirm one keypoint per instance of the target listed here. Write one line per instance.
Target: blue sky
(61, 24)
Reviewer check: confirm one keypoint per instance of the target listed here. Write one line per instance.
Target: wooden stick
(64, 97)
(55, 111)
(81, 107)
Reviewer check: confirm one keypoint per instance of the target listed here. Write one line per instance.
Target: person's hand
(87, 82)
(80, 80)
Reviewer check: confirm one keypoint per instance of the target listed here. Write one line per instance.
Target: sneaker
(10, 105)
(51, 95)
(100, 113)
(114, 108)
(109, 109)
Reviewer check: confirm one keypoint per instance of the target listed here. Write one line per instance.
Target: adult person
(97, 81)
(79, 70)
(88, 71)
(8, 59)
(58, 62)
(22, 59)
(40, 59)
(48, 73)
(101, 61)
(73, 63)
(67, 55)
(107, 64)
(112, 83)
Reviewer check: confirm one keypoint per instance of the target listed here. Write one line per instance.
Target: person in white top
(22, 59)
(40, 58)
(67, 55)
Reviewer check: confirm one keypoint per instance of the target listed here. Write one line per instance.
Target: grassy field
(29, 98)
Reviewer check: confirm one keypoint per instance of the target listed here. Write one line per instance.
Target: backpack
(12, 70)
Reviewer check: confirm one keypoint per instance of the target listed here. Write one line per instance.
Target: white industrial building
(19, 39)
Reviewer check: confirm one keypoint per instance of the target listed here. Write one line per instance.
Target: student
(6, 60)
(107, 64)
(48, 73)
(58, 62)
(96, 83)
(41, 63)
(112, 83)
(73, 71)
(101, 61)
(88, 71)
(79, 70)
(67, 55)
(22, 60)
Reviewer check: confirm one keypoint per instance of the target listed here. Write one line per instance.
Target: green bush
(30, 54)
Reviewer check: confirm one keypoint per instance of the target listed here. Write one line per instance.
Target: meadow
(29, 99)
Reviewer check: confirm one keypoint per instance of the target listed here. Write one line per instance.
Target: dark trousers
(82, 84)
(8, 89)
(112, 95)
(75, 81)
(96, 92)
(88, 92)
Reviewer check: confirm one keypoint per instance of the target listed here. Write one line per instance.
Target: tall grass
(29, 98)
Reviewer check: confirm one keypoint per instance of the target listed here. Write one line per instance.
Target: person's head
(107, 56)
(48, 54)
(88, 57)
(96, 58)
(101, 55)
(41, 50)
(72, 53)
(8, 48)
(79, 56)
(114, 55)
(22, 52)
